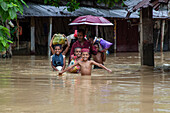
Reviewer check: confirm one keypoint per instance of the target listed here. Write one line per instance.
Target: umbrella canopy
(91, 20)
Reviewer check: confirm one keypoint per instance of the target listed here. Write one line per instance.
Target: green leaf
(12, 13)
(122, 4)
(45, 1)
(1, 38)
(68, 4)
(3, 43)
(7, 45)
(4, 6)
(1, 33)
(20, 6)
(1, 11)
(4, 28)
(116, 1)
(8, 34)
(9, 41)
(1, 47)
(16, 10)
(15, 5)
(24, 3)
(10, 5)
(5, 15)
(1, 0)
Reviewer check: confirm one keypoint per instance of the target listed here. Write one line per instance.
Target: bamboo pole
(162, 35)
(49, 36)
(115, 36)
(97, 30)
(157, 40)
(32, 35)
(18, 34)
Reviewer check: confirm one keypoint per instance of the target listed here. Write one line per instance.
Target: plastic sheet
(105, 44)
(59, 39)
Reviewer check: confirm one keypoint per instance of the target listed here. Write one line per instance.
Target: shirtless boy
(85, 64)
(100, 57)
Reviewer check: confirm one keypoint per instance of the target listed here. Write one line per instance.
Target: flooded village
(139, 58)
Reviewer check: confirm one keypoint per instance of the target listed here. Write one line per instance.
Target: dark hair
(77, 48)
(58, 45)
(91, 36)
(96, 44)
(81, 31)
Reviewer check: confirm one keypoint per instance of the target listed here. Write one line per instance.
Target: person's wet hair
(58, 45)
(77, 48)
(96, 43)
(91, 36)
(81, 31)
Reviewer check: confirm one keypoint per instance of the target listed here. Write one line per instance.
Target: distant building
(35, 24)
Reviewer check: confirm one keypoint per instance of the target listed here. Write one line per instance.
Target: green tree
(8, 11)
(110, 3)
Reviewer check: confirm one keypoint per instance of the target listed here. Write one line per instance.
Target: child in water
(53, 51)
(58, 59)
(100, 57)
(85, 64)
(74, 58)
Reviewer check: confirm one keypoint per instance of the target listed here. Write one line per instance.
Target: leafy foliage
(4, 41)
(72, 5)
(8, 11)
(110, 3)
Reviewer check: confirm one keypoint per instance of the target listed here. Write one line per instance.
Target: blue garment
(57, 60)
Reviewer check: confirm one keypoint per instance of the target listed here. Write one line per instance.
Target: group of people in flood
(80, 55)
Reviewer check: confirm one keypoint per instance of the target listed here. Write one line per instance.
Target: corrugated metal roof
(134, 5)
(163, 1)
(137, 4)
(36, 10)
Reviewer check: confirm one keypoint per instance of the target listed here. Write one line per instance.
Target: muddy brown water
(28, 85)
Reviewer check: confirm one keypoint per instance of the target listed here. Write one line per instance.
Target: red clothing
(85, 45)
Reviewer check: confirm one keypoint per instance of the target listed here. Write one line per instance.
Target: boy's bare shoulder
(91, 61)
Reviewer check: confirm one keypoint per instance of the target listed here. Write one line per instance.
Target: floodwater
(28, 85)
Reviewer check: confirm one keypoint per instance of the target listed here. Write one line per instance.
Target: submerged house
(40, 22)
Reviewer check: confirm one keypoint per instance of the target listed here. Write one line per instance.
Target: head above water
(85, 54)
(96, 45)
(58, 49)
(81, 35)
(91, 38)
(77, 52)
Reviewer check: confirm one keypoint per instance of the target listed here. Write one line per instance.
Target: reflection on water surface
(28, 85)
